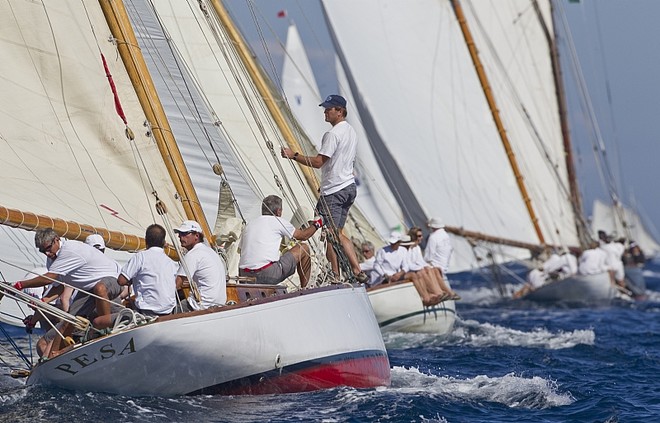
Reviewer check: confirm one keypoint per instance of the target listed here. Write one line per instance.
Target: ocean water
(504, 362)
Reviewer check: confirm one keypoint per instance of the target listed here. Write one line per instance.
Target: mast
(264, 91)
(76, 231)
(576, 198)
(469, 41)
(127, 45)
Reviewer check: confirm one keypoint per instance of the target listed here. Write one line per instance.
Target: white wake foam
(511, 390)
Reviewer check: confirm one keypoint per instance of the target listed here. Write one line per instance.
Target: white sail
(420, 99)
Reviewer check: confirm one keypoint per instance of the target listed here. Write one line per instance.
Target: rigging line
(231, 60)
(194, 109)
(597, 140)
(298, 130)
(191, 104)
(19, 351)
(608, 88)
(276, 132)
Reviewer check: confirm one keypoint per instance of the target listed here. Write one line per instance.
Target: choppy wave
(477, 334)
(511, 390)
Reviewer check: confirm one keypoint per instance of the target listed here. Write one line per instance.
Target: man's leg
(347, 244)
(303, 263)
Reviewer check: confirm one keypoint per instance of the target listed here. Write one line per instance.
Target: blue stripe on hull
(425, 311)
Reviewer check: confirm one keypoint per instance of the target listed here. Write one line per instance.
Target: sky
(616, 43)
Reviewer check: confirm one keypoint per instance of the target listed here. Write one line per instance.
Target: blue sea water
(504, 361)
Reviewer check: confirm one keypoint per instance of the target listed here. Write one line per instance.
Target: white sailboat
(82, 159)
(462, 100)
(397, 306)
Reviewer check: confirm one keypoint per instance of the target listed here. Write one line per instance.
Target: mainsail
(421, 100)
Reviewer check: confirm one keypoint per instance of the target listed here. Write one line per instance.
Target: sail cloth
(412, 77)
(63, 147)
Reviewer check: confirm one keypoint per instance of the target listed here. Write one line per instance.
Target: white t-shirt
(340, 145)
(367, 266)
(592, 262)
(154, 280)
(415, 260)
(553, 264)
(208, 270)
(438, 250)
(260, 242)
(388, 262)
(81, 265)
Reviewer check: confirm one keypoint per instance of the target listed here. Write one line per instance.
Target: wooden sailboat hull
(576, 289)
(398, 308)
(305, 341)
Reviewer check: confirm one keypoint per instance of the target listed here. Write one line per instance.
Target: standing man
(335, 159)
(204, 266)
(260, 246)
(153, 275)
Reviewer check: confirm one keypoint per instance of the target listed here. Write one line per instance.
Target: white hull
(576, 289)
(398, 308)
(310, 340)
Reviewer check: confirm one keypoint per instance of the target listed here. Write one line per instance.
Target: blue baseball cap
(334, 100)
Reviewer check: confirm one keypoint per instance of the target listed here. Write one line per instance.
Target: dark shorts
(85, 305)
(334, 207)
(276, 272)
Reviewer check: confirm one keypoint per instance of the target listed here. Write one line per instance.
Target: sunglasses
(44, 250)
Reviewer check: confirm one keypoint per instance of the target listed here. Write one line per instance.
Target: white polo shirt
(153, 276)
(208, 270)
(388, 262)
(81, 265)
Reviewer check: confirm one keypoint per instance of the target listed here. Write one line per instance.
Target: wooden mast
(474, 54)
(264, 91)
(129, 50)
(576, 198)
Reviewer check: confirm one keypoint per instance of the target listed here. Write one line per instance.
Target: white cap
(436, 223)
(96, 241)
(406, 240)
(189, 226)
(394, 238)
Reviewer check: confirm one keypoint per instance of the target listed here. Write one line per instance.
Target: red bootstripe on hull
(359, 372)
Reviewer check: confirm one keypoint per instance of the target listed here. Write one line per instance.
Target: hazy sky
(617, 45)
